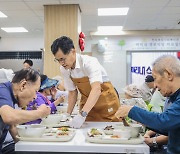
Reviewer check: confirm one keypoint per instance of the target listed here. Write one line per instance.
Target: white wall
(21, 44)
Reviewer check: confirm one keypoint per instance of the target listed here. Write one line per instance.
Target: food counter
(79, 144)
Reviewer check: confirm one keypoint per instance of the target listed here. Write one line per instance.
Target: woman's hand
(53, 92)
(59, 100)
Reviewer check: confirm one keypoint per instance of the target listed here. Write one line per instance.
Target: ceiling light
(109, 30)
(2, 15)
(14, 29)
(112, 11)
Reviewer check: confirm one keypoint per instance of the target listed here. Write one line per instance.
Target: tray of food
(59, 134)
(111, 136)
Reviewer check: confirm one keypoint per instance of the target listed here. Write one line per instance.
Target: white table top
(78, 144)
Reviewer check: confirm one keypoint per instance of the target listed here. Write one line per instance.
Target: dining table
(79, 144)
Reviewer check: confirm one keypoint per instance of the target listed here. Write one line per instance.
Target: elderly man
(20, 91)
(166, 73)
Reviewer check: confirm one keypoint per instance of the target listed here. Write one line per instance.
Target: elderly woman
(47, 88)
(133, 96)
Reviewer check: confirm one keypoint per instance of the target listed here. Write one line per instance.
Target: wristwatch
(83, 114)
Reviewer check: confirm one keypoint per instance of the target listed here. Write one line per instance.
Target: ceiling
(142, 15)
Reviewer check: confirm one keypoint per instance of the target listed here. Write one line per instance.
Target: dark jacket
(167, 122)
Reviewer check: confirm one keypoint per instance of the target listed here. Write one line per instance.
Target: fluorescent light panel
(2, 15)
(14, 29)
(109, 28)
(112, 11)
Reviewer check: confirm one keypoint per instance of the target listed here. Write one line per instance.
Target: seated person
(47, 88)
(27, 63)
(156, 141)
(61, 91)
(133, 96)
(20, 91)
(60, 84)
(157, 102)
(147, 88)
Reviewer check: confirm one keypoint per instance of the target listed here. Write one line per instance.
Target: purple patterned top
(41, 99)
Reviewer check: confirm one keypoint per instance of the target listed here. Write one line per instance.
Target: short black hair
(28, 61)
(64, 43)
(27, 74)
(149, 78)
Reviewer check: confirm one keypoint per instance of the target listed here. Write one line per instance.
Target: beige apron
(107, 104)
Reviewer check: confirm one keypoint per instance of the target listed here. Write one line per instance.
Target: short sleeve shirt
(85, 66)
(6, 98)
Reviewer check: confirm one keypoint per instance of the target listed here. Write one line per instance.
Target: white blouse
(85, 66)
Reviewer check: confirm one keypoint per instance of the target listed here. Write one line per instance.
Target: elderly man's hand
(148, 141)
(123, 111)
(44, 110)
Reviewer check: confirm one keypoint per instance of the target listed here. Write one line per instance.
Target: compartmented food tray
(107, 139)
(48, 139)
(62, 134)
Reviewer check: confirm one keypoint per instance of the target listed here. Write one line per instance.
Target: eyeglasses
(61, 60)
